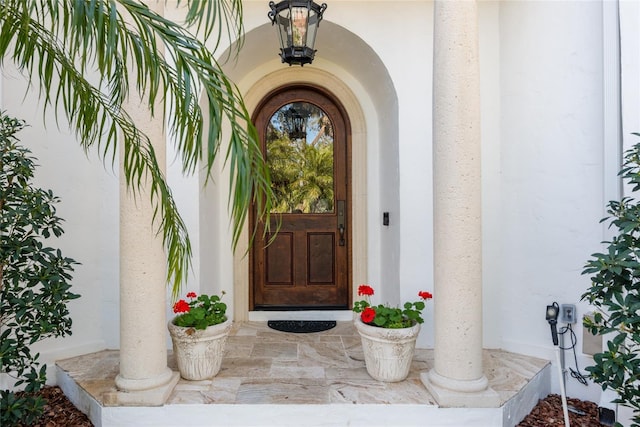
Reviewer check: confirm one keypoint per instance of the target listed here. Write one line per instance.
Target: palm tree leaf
(54, 42)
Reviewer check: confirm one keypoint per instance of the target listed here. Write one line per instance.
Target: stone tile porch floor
(275, 378)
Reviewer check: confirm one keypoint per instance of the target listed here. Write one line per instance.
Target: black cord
(582, 379)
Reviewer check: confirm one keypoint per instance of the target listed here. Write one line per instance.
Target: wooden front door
(305, 139)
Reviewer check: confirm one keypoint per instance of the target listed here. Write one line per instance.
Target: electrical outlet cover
(568, 313)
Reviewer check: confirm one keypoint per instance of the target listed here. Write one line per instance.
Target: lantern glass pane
(284, 30)
(299, 19)
(312, 29)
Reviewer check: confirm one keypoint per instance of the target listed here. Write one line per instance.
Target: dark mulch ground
(59, 411)
(548, 413)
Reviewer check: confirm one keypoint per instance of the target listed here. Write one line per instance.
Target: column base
(452, 393)
(145, 392)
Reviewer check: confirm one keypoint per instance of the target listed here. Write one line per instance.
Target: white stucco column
(144, 377)
(457, 378)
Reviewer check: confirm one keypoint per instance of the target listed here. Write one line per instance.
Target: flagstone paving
(264, 366)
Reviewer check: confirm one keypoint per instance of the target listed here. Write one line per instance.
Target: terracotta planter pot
(199, 352)
(387, 352)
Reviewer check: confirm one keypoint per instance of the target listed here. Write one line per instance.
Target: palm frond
(55, 42)
(225, 16)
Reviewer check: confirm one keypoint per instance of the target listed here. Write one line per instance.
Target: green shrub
(615, 292)
(34, 278)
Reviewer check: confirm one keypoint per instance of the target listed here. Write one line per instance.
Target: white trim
(611, 105)
(629, 15)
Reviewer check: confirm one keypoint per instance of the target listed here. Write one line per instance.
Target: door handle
(341, 222)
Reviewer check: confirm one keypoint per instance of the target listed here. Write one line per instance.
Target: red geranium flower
(386, 316)
(191, 295)
(181, 307)
(368, 314)
(425, 295)
(365, 290)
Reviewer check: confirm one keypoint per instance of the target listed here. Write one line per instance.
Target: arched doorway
(305, 135)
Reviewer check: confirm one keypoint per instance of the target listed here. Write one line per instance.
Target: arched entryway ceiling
(336, 45)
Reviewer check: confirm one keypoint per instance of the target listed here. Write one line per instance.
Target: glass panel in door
(299, 145)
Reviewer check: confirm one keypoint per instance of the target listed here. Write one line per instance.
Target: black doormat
(301, 326)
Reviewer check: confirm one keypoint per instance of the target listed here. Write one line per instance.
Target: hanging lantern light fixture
(297, 22)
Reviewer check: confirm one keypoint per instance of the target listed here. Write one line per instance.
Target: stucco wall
(551, 138)
(89, 206)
